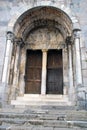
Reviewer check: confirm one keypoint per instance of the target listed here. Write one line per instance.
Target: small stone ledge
(5, 128)
(81, 124)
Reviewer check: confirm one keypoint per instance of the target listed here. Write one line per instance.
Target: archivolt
(42, 17)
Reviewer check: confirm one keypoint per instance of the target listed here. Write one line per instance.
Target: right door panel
(54, 72)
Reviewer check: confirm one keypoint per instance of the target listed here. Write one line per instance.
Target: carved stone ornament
(76, 33)
(18, 41)
(9, 36)
(45, 38)
(69, 40)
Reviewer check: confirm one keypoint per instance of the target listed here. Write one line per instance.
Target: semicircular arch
(42, 17)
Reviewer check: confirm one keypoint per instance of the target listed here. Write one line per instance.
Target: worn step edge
(14, 102)
(36, 122)
(40, 99)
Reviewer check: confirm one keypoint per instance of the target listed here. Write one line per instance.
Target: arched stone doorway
(47, 31)
(44, 29)
(42, 33)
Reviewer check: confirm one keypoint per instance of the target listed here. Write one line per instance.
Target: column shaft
(44, 72)
(22, 71)
(71, 87)
(7, 58)
(16, 66)
(78, 61)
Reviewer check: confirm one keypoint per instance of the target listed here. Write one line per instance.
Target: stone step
(35, 103)
(50, 96)
(5, 127)
(45, 123)
(47, 115)
(51, 108)
(40, 109)
(37, 97)
(51, 118)
(40, 99)
(81, 116)
(35, 122)
(33, 116)
(35, 128)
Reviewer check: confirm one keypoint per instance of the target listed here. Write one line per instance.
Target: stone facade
(44, 25)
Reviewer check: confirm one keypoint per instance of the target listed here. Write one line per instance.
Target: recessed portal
(33, 72)
(54, 72)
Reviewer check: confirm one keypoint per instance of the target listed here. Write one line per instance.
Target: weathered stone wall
(8, 9)
(80, 10)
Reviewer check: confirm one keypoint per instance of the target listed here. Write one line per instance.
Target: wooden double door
(54, 82)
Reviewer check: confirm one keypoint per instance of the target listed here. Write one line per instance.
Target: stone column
(7, 57)
(22, 71)
(44, 72)
(14, 89)
(16, 64)
(78, 58)
(65, 71)
(71, 87)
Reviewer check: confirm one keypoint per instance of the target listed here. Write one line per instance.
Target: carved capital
(76, 33)
(19, 41)
(9, 36)
(44, 50)
(69, 40)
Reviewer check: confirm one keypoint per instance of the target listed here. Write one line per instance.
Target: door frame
(65, 76)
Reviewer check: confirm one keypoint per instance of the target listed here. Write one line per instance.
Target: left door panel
(33, 72)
